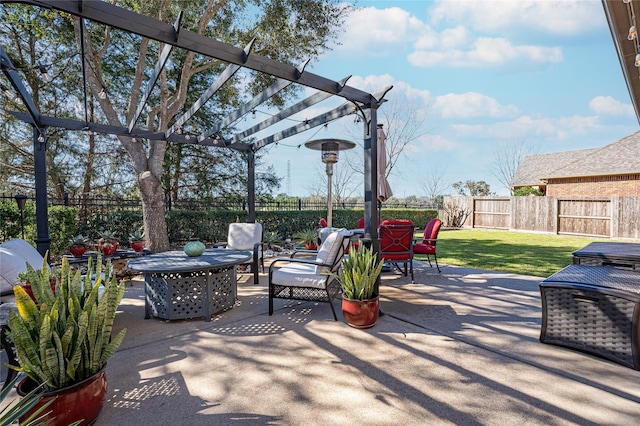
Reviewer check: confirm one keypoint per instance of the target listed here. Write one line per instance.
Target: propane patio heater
(330, 149)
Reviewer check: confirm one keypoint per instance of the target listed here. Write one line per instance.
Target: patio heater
(330, 149)
(21, 199)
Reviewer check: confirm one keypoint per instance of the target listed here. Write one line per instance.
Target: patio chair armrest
(304, 252)
(222, 244)
(431, 240)
(291, 260)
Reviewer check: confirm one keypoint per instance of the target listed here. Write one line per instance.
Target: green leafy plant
(64, 338)
(359, 273)
(11, 412)
(108, 237)
(527, 190)
(79, 241)
(136, 236)
(270, 238)
(307, 236)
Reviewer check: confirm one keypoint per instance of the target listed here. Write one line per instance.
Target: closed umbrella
(384, 190)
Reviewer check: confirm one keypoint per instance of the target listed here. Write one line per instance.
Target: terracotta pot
(311, 246)
(78, 251)
(137, 246)
(108, 248)
(360, 313)
(27, 288)
(83, 400)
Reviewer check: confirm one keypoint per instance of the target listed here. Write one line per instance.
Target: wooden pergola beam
(132, 22)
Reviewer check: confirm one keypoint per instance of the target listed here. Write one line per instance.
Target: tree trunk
(155, 226)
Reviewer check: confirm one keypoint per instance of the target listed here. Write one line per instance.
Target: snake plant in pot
(63, 339)
(358, 276)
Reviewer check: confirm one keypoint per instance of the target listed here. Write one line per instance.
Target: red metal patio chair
(429, 239)
(396, 243)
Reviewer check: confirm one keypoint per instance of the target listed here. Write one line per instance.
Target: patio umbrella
(384, 190)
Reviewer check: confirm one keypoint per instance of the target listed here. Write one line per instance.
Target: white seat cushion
(331, 246)
(299, 275)
(244, 236)
(14, 256)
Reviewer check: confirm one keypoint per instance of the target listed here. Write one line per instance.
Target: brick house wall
(595, 186)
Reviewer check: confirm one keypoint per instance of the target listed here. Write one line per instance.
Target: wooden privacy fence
(607, 217)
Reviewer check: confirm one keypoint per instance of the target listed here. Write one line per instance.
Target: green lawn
(521, 253)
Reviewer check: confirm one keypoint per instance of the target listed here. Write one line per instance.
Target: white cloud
(559, 128)
(471, 104)
(567, 17)
(484, 52)
(372, 32)
(401, 89)
(606, 105)
(379, 32)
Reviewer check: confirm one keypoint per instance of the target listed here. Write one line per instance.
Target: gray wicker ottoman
(605, 253)
(593, 309)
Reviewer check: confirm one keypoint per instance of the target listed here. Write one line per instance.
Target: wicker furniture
(180, 287)
(608, 253)
(310, 279)
(594, 309)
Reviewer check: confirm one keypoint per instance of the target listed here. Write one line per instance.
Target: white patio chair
(309, 279)
(247, 236)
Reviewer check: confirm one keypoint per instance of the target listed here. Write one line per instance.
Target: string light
(633, 31)
(253, 114)
(43, 71)
(102, 94)
(8, 93)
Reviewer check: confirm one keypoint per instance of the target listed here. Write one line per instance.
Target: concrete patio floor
(460, 347)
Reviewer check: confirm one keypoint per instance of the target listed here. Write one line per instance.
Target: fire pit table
(179, 287)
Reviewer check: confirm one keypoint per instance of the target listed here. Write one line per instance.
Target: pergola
(172, 35)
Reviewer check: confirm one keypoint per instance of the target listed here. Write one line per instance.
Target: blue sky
(486, 74)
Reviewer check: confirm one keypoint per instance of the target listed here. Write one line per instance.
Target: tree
(404, 121)
(343, 184)
(433, 185)
(508, 157)
(527, 190)
(473, 188)
(288, 31)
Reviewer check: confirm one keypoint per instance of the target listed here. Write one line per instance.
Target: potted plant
(271, 240)
(17, 409)
(136, 241)
(78, 245)
(108, 243)
(357, 277)
(308, 237)
(63, 340)
(26, 277)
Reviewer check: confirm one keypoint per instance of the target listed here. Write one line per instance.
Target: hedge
(208, 226)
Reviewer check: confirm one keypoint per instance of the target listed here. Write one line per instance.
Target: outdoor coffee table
(602, 253)
(179, 287)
